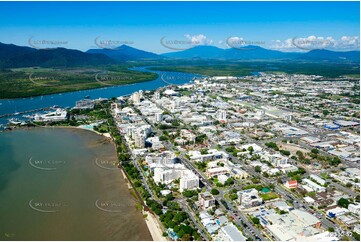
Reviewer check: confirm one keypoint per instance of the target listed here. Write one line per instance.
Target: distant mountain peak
(125, 52)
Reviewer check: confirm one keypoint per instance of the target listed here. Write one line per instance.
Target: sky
(162, 27)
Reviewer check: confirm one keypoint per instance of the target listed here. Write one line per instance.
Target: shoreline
(151, 221)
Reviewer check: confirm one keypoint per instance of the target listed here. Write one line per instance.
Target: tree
(214, 191)
(255, 220)
(300, 155)
(257, 169)
(356, 236)
(315, 151)
(250, 149)
(179, 218)
(330, 229)
(343, 202)
(265, 174)
(158, 211)
(325, 112)
(285, 152)
(186, 237)
(233, 196)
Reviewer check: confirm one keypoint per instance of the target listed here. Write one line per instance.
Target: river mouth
(63, 184)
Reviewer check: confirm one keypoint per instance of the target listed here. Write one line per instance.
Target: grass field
(269, 196)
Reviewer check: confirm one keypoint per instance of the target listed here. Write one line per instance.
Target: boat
(28, 116)
(14, 121)
(87, 96)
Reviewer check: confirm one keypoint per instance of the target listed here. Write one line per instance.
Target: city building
(313, 185)
(249, 198)
(231, 233)
(188, 181)
(296, 225)
(291, 184)
(206, 200)
(84, 104)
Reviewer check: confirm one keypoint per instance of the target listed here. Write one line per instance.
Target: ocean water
(63, 184)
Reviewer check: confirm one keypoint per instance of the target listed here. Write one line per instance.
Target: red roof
(293, 182)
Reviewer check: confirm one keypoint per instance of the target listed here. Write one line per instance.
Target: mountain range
(12, 56)
(258, 53)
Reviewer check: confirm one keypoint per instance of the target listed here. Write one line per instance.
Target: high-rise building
(136, 97)
(139, 140)
(221, 115)
(157, 95)
(158, 117)
(188, 181)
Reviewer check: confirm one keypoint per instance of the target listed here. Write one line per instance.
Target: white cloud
(199, 39)
(313, 42)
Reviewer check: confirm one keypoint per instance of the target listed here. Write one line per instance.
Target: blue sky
(286, 26)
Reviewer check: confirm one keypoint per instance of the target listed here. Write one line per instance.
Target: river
(68, 99)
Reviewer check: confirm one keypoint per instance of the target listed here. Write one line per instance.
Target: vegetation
(26, 82)
(269, 196)
(272, 145)
(214, 191)
(257, 169)
(241, 68)
(343, 202)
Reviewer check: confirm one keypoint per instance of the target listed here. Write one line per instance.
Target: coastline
(151, 221)
(153, 226)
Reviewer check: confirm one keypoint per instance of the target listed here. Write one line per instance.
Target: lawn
(269, 196)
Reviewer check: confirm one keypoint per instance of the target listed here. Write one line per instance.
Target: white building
(165, 175)
(231, 233)
(221, 115)
(139, 140)
(313, 185)
(297, 225)
(206, 200)
(157, 95)
(318, 179)
(354, 208)
(188, 181)
(158, 117)
(136, 97)
(249, 198)
(58, 115)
